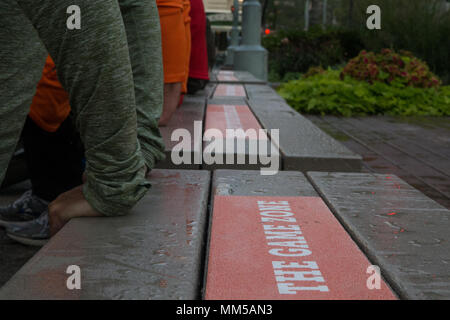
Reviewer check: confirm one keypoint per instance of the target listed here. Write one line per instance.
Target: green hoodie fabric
(112, 70)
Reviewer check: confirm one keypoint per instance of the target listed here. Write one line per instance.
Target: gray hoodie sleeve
(94, 66)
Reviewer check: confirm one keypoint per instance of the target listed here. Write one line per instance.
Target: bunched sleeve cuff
(116, 199)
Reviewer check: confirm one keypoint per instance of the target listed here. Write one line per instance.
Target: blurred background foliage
(419, 26)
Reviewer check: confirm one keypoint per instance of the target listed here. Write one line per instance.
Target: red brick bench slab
(274, 238)
(220, 118)
(229, 90)
(231, 77)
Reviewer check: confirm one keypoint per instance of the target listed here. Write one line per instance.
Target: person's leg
(172, 93)
(52, 150)
(22, 58)
(173, 45)
(142, 25)
(51, 143)
(54, 159)
(54, 163)
(198, 69)
(187, 24)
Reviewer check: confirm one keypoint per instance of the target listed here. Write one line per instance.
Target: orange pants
(173, 36)
(50, 105)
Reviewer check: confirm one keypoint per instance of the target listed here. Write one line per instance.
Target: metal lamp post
(307, 7)
(250, 55)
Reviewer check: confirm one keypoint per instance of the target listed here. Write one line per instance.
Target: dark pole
(350, 14)
(264, 11)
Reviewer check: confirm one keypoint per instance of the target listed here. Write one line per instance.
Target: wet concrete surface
(155, 252)
(401, 230)
(416, 149)
(231, 77)
(261, 92)
(192, 110)
(303, 145)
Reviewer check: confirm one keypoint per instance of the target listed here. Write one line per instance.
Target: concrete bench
(262, 92)
(232, 77)
(201, 94)
(229, 91)
(192, 110)
(251, 148)
(274, 238)
(228, 100)
(400, 229)
(303, 145)
(221, 114)
(156, 252)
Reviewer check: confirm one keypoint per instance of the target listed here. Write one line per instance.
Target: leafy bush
(295, 51)
(326, 93)
(389, 66)
(313, 71)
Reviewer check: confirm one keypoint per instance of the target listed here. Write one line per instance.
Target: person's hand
(71, 204)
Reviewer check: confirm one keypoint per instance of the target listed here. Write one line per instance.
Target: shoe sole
(9, 224)
(28, 241)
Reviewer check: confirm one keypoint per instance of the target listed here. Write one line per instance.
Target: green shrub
(389, 66)
(313, 71)
(326, 93)
(295, 51)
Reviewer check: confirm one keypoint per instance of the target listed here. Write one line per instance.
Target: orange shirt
(50, 105)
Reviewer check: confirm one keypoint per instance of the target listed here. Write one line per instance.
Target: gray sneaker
(28, 207)
(34, 233)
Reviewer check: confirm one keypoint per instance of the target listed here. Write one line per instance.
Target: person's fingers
(55, 222)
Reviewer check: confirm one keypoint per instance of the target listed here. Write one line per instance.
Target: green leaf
(327, 94)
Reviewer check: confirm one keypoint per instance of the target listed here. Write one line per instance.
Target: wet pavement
(416, 149)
